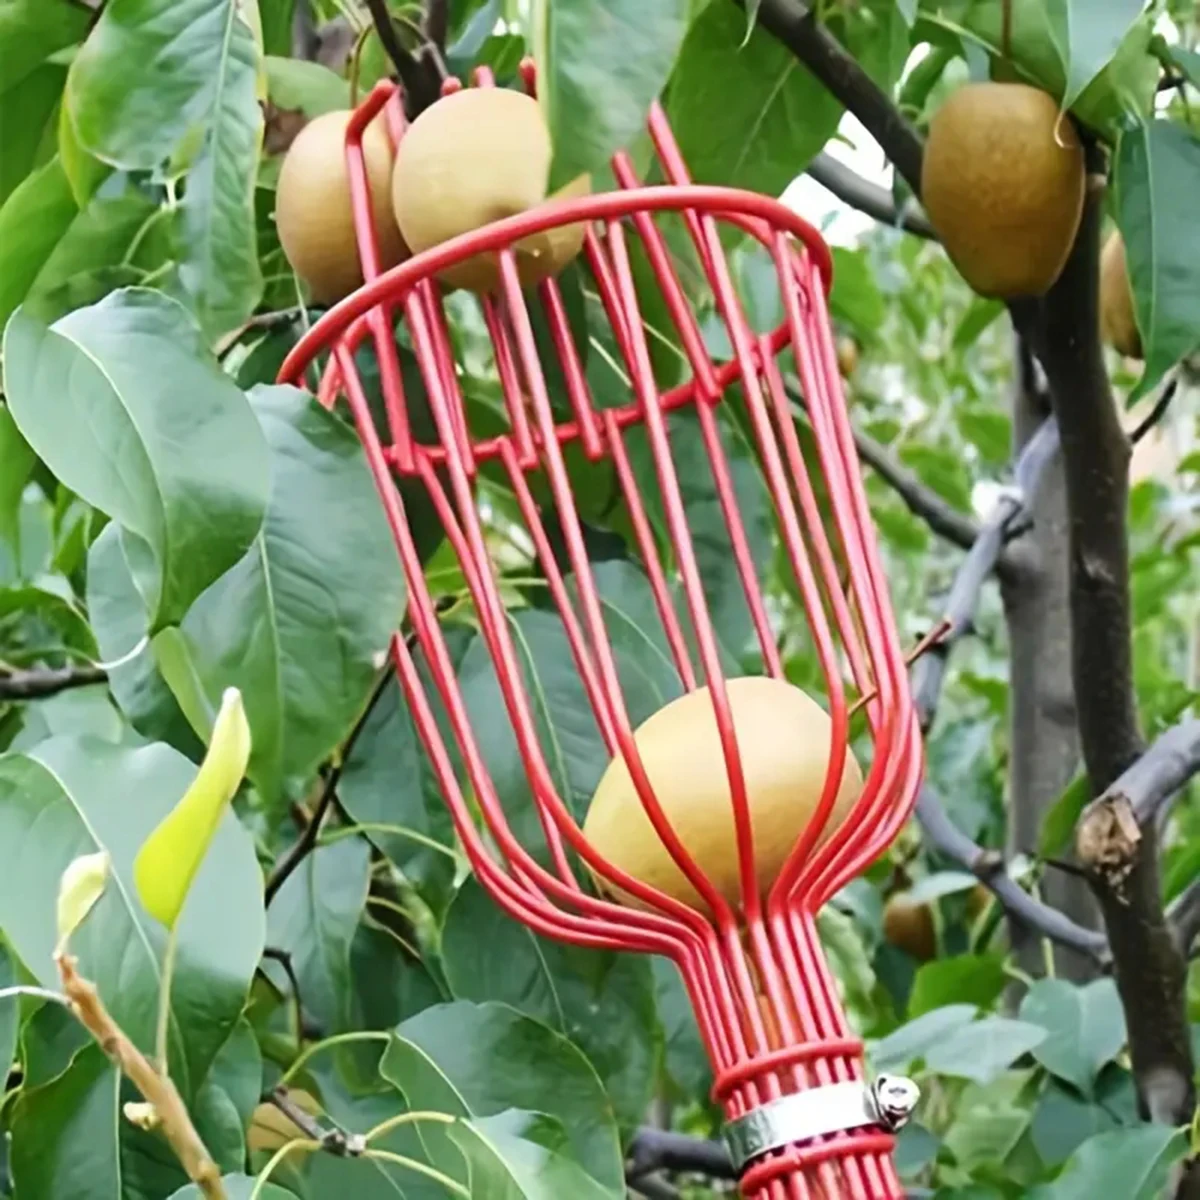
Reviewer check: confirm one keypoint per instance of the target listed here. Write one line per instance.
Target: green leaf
(1060, 819)
(970, 978)
(25, 111)
(604, 1002)
(1088, 34)
(31, 31)
(306, 87)
(686, 1062)
(10, 1011)
(301, 623)
(523, 1156)
(916, 1039)
(594, 88)
(1157, 170)
(1129, 1163)
(16, 463)
(237, 1187)
(313, 918)
(124, 404)
(228, 1097)
(1063, 1119)
(855, 298)
(69, 796)
(119, 622)
(1086, 1027)
(982, 1050)
(85, 173)
(33, 218)
(751, 117)
(162, 79)
(480, 1060)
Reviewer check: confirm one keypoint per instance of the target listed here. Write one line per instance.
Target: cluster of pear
(473, 157)
(1003, 182)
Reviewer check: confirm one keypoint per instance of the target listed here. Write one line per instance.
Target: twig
(278, 319)
(158, 1090)
(661, 1150)
(437, 23)
(308, 838)
(930, 671)
(988, 867)
(49, 681)
(1156, 414)
(795, 25)
(284, 959)
(869, 198)
(939, 514)
(421, 85)
(334, 1140)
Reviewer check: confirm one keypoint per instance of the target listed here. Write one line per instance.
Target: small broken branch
(167, 1108)
(48, 681)
(868, 198)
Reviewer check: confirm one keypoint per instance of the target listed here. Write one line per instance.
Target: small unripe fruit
(908, 925)
(783, 740)
(313, 212)
(476, 156)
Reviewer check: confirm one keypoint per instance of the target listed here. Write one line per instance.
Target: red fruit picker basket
(803, 1119)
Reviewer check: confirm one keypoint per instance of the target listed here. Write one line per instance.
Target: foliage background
(165, 509)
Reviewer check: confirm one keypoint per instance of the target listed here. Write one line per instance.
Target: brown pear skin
(1003, 183)
(1118, 321)
(313, 212)
(474, 157)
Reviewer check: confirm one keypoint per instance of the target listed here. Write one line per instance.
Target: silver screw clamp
(888, 1102)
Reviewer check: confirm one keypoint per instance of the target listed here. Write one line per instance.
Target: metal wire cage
(803, 1120)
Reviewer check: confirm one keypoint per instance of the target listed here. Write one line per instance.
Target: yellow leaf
(170, 857)
(81, 886)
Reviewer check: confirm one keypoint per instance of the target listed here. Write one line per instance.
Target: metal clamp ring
(834, 1108)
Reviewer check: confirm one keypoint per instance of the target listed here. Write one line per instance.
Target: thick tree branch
(867, 197)
(988, 867)
(419, 73)
(661, 1150)
(49, 681)
(793, 23)
(1150, 972)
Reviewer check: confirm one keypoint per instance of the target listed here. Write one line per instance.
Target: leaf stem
(163, 1028)
(338, 1039)
(407, 1118)
(411, 1164)
(264, 1178)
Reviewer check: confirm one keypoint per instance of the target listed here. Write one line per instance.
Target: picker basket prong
(803, 1120)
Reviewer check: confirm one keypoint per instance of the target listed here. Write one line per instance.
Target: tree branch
(661, 1150)
(1184, 915)
(930, 671)
(308, 838)
(794, 24)
(867, 197)
(1149, 970)
(49, 681)
(419, 75)
(988, 867)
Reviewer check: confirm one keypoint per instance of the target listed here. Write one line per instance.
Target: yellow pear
(908, 924)
(1118, 322)
(313, 212)
(1003, 182)
(476, 156)
(783, 740)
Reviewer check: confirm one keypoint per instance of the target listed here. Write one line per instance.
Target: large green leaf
(119, 623)
(25, 111)
(69, 796)
(177, 79)
(748, 115)
(982, 1050)
(31, 31)
(228, 1096)
(968, 978)
(603, 1002)
(1157, 172)
(1063, 1119)
(9, 1012)
(313, 919)
(1085, 1027)
(300, 624)
(1087, 34)
(523, 1156)
(238, 1187)
(124, 404)
(37, 213)
(685, 1062)
(481, 1060)
(16, 463)
(1130, 1163)
(595, 93)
